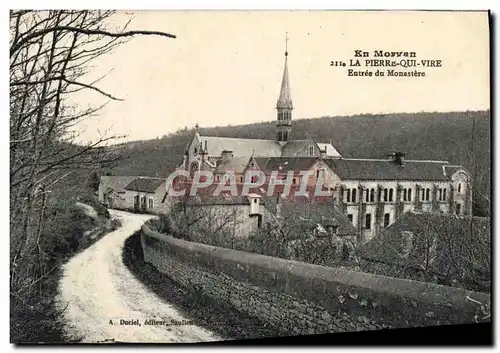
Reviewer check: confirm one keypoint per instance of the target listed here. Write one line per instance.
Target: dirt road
(100, 292)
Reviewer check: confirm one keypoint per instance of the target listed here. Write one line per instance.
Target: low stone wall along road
(105, 303)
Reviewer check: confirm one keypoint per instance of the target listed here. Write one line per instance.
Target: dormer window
(195, 151)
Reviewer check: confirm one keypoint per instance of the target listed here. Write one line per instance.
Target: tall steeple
(284, 104)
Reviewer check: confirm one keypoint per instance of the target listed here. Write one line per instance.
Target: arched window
(348, 195)
(409, 194)
(368, 221)
(387, 219)
(311, 150)
(372, 195)
(150, 203)
(391, 194)
(354, 195)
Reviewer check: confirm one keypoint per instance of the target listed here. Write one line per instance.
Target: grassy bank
(34, 316)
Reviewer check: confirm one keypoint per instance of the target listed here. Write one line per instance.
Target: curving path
(97, 287)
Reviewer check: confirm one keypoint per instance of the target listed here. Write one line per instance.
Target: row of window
(285, 115)
(142, 200)
(253, 179)
(387, 217)
(368, 220)
(387, 195)
(442, 194)
(282, 135)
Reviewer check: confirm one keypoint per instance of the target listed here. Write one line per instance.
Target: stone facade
(158, 201)
(237, 219)
(111, 191)
(302, 298)
(114, 193)
(382, 213)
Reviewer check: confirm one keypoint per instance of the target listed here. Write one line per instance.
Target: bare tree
(303, 231)
(50, 54)
(438, 248)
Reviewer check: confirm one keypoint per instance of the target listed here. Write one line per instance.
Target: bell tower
(284, 105)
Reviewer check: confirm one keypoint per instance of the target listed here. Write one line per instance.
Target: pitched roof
(381, 169)
(295, 148)
(261, 162)
(289, 163)
(330, 150)
(115, 183)
(222, 199)
(449, 170)
(324, 212)
(144, 184)
(235, 164)
(241, 147)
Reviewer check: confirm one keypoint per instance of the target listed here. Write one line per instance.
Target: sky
(225, 68)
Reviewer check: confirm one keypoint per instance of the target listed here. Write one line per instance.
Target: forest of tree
(458, 137)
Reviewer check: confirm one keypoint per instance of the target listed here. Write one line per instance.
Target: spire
(284, 105)
(285, 98)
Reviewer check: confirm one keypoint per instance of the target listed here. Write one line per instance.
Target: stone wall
(302, 298)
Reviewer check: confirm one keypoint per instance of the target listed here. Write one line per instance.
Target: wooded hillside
(459, 137)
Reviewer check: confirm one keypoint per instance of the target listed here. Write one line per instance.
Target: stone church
(372, 193)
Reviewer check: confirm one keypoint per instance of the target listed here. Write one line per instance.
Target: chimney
(254, 200)
(322, 153)
(226, 155)
(398, 157)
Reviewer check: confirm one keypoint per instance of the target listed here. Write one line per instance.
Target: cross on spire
(286, 43)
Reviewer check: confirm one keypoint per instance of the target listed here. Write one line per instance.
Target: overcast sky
(225, 67)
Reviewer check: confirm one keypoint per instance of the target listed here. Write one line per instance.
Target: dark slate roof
(144, 184)
(235, 164)
(290, 163)
(261, 162)
(222, 199)
(323, 212)
(115, 183)
(451, 169)
(380, 169)
(294, 148)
